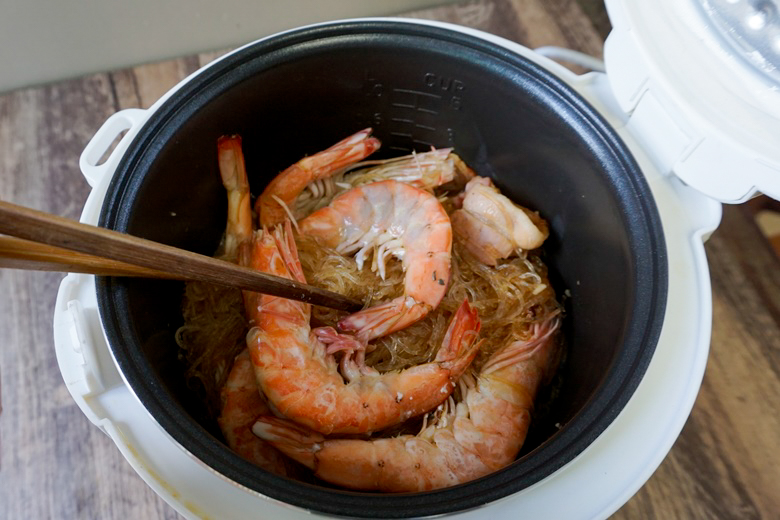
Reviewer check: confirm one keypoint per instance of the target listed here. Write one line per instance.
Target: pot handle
(98, 157)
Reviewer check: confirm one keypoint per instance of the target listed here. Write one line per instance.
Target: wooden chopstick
(18, 253)
(130, 252)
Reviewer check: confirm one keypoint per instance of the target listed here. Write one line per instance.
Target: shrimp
(240, 399)
(389, 218)
(232, 169)
(492, 226)
(301, 380)
(479, 435)
(281, 192)
(242, 403)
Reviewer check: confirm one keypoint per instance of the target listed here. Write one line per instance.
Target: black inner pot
(417, 86)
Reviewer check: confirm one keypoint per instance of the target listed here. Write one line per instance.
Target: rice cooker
(693, 90)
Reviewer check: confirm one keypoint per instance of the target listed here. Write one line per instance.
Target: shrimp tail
(385, 318)
(298, 443)
(232, 170)
(337, 342)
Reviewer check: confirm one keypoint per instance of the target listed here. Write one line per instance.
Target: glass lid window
(751, 28)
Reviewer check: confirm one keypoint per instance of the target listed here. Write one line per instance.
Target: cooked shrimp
(242, 404)
(389, 218)
(240, 399)
(232, 169)
(281, 192)
(301, 380)
(479, 435)
(492, 226)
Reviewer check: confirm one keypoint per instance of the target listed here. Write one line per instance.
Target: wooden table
(55, 464)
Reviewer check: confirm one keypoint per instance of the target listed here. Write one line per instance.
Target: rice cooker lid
(700, 83)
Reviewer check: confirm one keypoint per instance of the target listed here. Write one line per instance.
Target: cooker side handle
(109, 143)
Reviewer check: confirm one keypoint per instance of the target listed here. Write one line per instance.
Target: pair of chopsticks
(41, 241)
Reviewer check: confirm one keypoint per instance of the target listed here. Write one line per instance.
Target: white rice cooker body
(604, 476)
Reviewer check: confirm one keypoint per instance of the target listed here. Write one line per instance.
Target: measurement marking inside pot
(410, 137)
(405, 98)
(412, 122)
(403, 149)
(416, 93)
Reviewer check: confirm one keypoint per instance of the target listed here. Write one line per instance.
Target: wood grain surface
(55, 464)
